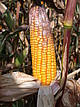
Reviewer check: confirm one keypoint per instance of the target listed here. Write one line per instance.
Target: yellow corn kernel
(42, 46)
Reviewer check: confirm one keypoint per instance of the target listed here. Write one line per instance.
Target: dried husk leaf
(77, 91)
(16, 85)
(45, 97)
(71, 94)
(15, 78)
(69, 99)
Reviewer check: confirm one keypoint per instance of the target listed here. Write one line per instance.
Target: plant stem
(68, 21)
(65, 56)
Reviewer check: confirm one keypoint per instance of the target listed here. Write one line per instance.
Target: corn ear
(42, 46)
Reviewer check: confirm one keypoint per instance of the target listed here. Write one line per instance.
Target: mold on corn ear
(42, 46)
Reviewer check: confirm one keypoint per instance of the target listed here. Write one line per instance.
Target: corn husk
(16, 85)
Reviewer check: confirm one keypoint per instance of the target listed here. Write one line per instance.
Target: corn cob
(42, 46)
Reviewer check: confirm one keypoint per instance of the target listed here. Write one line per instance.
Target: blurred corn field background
(15, 49)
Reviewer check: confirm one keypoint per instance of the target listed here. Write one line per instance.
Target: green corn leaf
(9, 47)
(7, 36)
(77, 8)
(12, 34)
(14, 104)
(2, 36)
(20, 103)
(8, 19)
(76, 31)
(21, 57)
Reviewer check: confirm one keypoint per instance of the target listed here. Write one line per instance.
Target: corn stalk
(68, 21)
